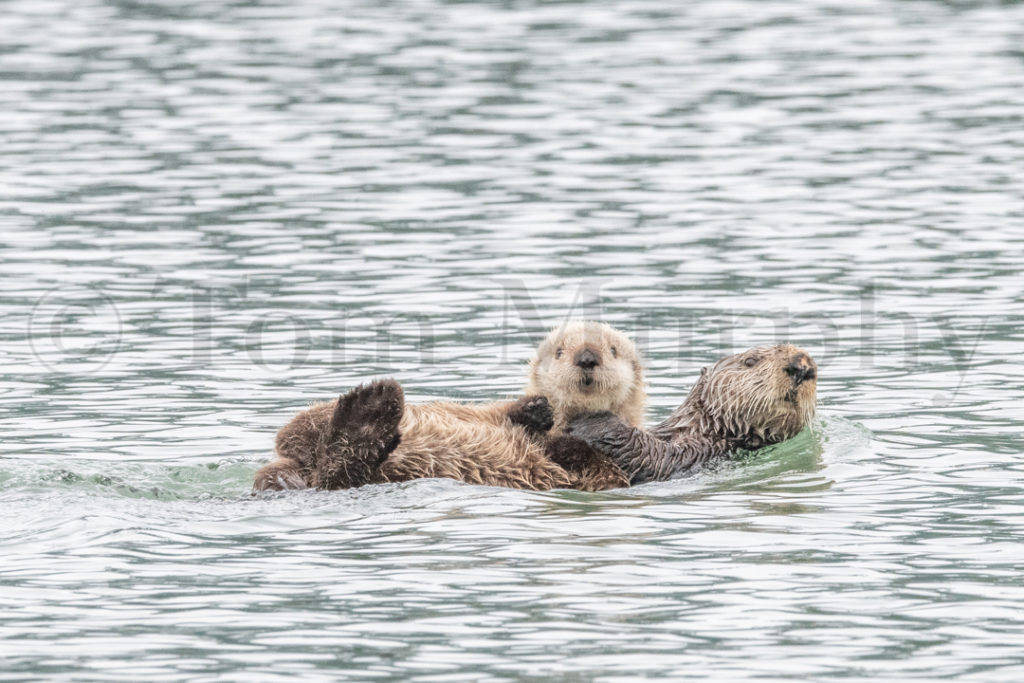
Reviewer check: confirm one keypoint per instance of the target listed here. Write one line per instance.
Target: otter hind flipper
(590, 470)
(379, 403)
(362, 432)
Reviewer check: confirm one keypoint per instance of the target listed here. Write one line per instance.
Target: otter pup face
(587, 367)
(761, 396)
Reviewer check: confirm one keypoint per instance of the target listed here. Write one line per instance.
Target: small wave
(223, 478)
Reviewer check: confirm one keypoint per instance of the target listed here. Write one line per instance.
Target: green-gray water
(212, 213)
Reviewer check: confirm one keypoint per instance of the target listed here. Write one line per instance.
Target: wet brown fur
(348, 442)
(745, 401)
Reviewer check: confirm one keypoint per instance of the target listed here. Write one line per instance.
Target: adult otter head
(587, 367)
(761, 396)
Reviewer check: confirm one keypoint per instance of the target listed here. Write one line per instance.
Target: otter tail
(362, 432)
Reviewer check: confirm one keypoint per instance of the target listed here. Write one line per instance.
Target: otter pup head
(586, 367)
(761, 396)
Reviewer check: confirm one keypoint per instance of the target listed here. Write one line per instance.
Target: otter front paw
(596, 428)
(533, 412)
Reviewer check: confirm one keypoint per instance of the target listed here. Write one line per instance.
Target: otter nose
(801, 368)
(586, 359)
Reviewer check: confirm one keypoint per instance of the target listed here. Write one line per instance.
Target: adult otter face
(761, 396)
(587, 367)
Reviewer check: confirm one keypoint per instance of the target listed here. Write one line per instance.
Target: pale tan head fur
(760, 396)
(589, 367)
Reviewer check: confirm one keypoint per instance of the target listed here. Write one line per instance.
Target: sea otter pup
(370, 436)
(761, 396)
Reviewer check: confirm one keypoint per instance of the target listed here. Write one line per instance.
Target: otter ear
(703, 371)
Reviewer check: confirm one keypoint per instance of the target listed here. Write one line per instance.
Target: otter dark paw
(379, 404)
(590, 470)
(570, 454)
(594, 428)
(533, 412)
(366, 419)
(363, 432)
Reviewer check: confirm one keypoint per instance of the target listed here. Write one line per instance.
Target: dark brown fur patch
(590, 469)
(362, 432)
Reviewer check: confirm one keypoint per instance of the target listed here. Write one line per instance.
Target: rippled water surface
(213, 213)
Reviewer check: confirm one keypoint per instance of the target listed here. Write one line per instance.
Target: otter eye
(558, 353)
(750, 362)
(615, 352)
